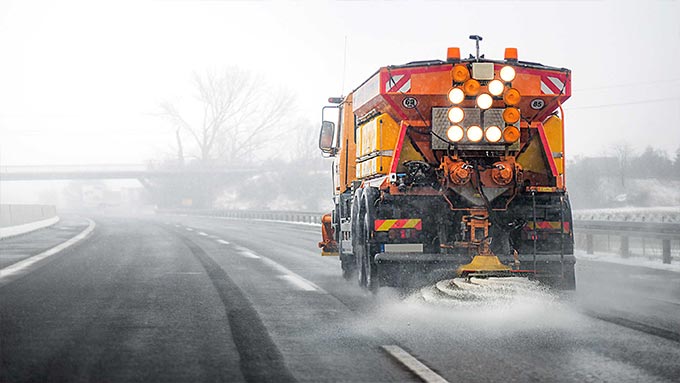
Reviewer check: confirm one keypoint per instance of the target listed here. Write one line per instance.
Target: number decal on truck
(410, 102)
(537, 104)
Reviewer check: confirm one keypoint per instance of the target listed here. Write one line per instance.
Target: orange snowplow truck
(451, 168)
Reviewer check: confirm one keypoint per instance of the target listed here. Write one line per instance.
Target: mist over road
(178, 298)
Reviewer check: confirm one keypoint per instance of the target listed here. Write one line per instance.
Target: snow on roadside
(630, 261)
(670, 214)
(11, 231)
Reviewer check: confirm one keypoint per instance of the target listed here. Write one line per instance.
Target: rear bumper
(419, 258)
(457, 260)
(419, 269)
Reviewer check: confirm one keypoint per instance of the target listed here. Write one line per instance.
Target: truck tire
(565, 280)
(365, 252)
(569, 278)
(370, 196)
(356, 217)
(348, 265)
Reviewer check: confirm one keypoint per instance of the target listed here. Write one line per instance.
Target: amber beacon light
(453, 54)
(510, 54)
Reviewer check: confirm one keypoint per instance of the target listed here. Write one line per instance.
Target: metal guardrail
(654, 214)
(597, 233)
(21, 219)
(15, 214)
(661, 234)
(641, 229)
(273, 215)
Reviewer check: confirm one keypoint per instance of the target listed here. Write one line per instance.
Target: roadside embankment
(20, 219)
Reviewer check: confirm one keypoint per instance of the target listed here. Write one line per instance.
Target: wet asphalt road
(189, 299)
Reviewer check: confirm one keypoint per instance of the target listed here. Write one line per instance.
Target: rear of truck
(451, 168)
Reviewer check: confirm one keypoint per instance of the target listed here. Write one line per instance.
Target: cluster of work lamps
(464, 86)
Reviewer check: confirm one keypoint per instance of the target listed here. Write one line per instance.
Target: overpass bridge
(166, 186)
(143, 173)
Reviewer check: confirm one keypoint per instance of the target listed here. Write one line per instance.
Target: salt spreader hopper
(451, 168)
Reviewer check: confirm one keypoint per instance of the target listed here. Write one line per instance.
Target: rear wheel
(361, 266)
(348, 265)
(370, 267)
(558, 277)
(569, 278)
(364, 253)
(370, 198)
(356, 220)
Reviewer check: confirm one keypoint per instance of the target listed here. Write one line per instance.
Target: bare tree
(676, 164)
(237, 115)
(170, 112)
(623, 152)
(306, 143)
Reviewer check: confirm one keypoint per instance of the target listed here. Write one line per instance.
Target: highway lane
(541, 337)
(178, 298)
(126, 305)
(631, 295)
(144, 301)
(20, 247)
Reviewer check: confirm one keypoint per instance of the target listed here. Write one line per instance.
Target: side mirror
(326, 137)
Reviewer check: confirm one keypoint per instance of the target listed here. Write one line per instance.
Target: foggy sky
(80, 81)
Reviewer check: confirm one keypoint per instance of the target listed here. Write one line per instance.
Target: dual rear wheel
(362, 218)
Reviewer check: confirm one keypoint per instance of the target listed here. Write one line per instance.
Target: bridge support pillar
(666, 250)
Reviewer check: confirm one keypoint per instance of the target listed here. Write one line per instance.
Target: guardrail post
(589, 244)
(666, 244)
(625, 248)
(609, 243)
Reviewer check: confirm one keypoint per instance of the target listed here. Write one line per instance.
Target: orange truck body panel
(347, 160)
(416, 165)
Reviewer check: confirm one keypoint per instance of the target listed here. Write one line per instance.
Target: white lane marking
(299, 282)
(20, 266)
(288, 275)
(202, 234)
(291, 276)
(189, 229)
(248, 254)
(222, 241)
(278, 266)
(413, 364)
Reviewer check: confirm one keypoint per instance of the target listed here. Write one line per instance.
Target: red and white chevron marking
(398, 83)
(552, 85)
